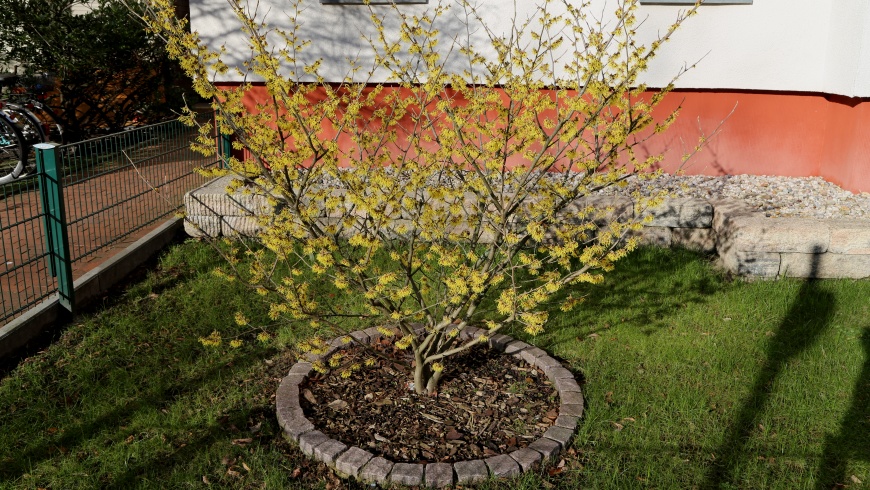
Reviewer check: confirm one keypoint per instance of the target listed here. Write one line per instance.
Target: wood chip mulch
(489, 403)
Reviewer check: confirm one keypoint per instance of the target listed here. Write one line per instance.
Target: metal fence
(87, 200)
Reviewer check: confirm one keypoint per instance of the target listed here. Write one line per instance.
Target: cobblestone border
(358, 463)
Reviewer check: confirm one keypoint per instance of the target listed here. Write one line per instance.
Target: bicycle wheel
(13, 151)
(30, 127)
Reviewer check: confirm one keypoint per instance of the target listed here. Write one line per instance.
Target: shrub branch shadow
(853, 440)
(810, 314)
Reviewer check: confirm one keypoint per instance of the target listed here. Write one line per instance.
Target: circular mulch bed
(501, 410)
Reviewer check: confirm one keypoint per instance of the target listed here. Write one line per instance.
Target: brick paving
(100, 210)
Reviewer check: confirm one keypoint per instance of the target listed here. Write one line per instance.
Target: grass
(692, 380)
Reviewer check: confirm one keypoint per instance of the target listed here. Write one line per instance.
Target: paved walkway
(101, 210)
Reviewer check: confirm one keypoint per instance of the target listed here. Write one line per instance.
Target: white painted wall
(781, 45)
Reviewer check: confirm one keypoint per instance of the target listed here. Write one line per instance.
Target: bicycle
(13, 150)
(22, 129)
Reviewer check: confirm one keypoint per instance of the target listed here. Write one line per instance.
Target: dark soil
(488, 404)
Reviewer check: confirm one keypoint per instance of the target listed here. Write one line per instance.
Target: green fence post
(54, 216)
(226, 150)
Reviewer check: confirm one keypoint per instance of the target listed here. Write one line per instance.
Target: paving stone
(439, 475)
(759, 264)
(560, 435)
(826, 265)
(376, 470)
(352, 460)
(531, 355)
(407, 474)
(499, 342)
(561, 373)
(515, 347)
(296, 426)
(526, 458)
(573, 410)
(468, 333)
(567, 384)
(548, 448)
(329, 450)
(301, 367)
(571, 398)
(548, 364)
(361, 337)
(373, 333)
(567, 421)
(310, 440)
(470, 472)
(503, 466)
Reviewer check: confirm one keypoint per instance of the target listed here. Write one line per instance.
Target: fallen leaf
(234, 473)
(246, 467)
(628, 419)
(205, 480)
(453, 434)
(855, 480)
(296, 473)
(242, 442)
(617, 425)
(608, 397)
(337, 404)
(381, 438)
(308, 395)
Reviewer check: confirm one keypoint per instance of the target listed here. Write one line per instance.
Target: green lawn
(692, 380)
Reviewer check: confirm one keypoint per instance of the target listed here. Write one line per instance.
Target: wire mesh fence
(25, 278)
(115, 189)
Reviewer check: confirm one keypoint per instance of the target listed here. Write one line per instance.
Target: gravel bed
(775, 196)
(806, 197)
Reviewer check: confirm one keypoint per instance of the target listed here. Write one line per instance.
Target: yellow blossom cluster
(447, 195)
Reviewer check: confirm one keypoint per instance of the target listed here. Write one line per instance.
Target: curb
(363, 465)
(88, 288)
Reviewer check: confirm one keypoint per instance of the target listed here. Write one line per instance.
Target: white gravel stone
(777, 197)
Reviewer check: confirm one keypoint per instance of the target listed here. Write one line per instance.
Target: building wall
(796, 74)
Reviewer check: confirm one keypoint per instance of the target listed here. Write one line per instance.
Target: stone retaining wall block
(850, 237)
(825, 266)
(697, 239)
(761, 264)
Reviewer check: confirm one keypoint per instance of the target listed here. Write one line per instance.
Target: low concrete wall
(747, 243)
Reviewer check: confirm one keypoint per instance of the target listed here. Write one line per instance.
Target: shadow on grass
(810, 314)
(645, 289)
(113, 421)
(853, 440)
